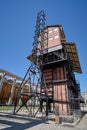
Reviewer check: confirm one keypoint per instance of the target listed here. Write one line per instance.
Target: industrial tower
(54, 62)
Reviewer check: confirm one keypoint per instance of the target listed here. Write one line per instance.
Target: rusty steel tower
(54, 62)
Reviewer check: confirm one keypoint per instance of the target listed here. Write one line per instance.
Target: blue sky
(17, 25)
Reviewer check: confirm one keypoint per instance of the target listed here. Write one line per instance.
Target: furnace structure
(58, 62)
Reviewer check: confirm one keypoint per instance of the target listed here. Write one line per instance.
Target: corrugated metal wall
(57, 88)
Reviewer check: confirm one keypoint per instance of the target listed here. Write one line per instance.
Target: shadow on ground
(17, 122)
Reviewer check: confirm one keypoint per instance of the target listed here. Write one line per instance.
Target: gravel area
(17, 122)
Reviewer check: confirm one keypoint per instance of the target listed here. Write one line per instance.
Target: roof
(10, 74)
(72, 54)
(55, 25)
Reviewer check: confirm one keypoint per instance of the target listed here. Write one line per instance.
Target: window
(50, 31)
(50, 39)
(56, 29)
(56, 36)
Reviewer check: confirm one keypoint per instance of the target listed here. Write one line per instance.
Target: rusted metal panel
(47, 75)
(15, 93)
(5, 92)
(60, 73)
(60, 108)
(60, 92)
(64, 92)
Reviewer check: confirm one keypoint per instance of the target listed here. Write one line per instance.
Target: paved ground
(16, 122)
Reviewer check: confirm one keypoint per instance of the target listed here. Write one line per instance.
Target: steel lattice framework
(34, 76)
